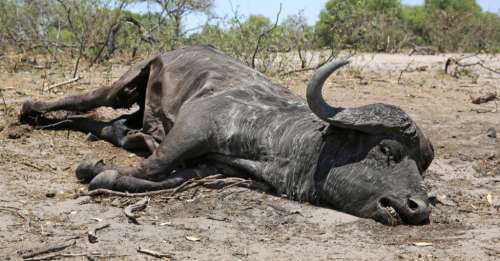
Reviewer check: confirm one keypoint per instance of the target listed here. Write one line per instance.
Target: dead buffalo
(202, 112)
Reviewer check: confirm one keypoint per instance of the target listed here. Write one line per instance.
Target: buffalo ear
(375, 118)
(426, 152)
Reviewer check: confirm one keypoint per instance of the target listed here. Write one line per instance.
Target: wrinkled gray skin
(201, 112)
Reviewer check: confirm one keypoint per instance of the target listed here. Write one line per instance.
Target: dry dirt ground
(40, 207)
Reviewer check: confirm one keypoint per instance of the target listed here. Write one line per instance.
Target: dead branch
(52, 125)
(25, 254)
(89, 256)
(77, 63)
(331, 56)
(99, 192)
(55, 256)
(4, 103)
(31, 166)
(459, 62)
(405, 70)
(92, 233)
(72, 80)
(262, 35)
(113, 31)
(138, 206)
(490, 96)
(13, 211)
(486, 111)
(153, 253)
(423, 50)
(115, 26)
(298, 71)
(214, 182)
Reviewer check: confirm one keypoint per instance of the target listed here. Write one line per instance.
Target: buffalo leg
(187, 140)
(113, 180)
(129, 89)
(116, 131)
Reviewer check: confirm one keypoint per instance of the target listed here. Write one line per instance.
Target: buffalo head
(373, 159)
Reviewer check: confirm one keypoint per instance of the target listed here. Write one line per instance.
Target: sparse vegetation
(95, 31)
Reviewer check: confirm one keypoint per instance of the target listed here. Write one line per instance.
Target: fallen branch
(490, 96)
(153, 253)
(180, 188)
(108, 192)
(458, 62)
(486, 111)
(214, 182)
(313, 68)
(77, 78)
(31, 165)
(405, 70)
(423, 50)
(140, 205)
(25, 254)
(52, 125)
(56, 256)
(89, 256)
(13, 211)
(92, 233)
(4, 103)
(298, 71)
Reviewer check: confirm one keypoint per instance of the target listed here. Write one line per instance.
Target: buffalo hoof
(29, 114)
(88, 169)
(105, 180)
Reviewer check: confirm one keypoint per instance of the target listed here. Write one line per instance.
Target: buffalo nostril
(416, 205)
(419, 211)
(384, 202)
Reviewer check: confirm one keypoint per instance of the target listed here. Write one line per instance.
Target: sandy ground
(38, 206)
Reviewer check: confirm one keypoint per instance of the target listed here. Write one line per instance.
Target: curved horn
(372, 118)
(314, 96)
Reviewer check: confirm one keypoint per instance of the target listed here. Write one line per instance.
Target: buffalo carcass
(202, 112)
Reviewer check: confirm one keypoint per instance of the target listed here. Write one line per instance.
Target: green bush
(386, 25)
(372, 25)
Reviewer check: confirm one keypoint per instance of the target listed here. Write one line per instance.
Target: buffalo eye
(391, 151)
(387, 152)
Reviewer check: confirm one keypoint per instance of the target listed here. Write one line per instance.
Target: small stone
(422, 68)
(18, 131)
(491, 133)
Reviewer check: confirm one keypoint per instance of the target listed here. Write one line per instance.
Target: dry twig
(140, 205)
(459, 62)
(4, 103)
(89, 256)
(14, 211)
(214, 182)
(72, 80)
(45, 250)
(152, 253)
(92, 233)
(262, 35)
(405, 70)
(490, 96)
(486, 111)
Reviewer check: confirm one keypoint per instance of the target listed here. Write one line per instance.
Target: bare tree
(296, 32)
(177, 10)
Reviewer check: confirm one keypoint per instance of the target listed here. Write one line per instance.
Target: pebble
(492, 133)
